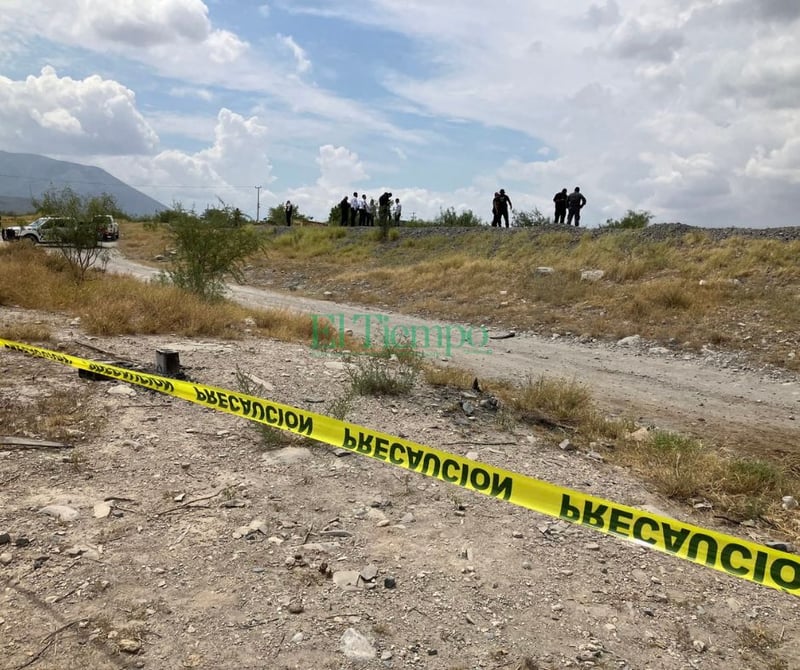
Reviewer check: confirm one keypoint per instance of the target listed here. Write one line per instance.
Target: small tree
(631, 220)
(335, 216)
(449, 217)
(523, 219)
(76, 235)
(208, 248)
(276, 216)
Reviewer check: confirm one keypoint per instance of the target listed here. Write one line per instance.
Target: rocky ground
(657, 231)
(182, 539)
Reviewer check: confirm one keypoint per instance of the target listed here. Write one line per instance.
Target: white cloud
(61, 115)
(224, 47)
(601, 15)
(781, 164)
(638, 41)
(264, 10)
(140, 23)
(175, 35)
(397, 151)
(191, 92)
(339, 168)
(236, 160)
(300, 57)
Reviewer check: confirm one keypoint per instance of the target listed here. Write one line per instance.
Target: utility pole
(258, 203)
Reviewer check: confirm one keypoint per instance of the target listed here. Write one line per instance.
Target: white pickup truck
(45, 228)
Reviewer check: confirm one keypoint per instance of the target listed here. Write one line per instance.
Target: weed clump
(392, 370)
(270, 438)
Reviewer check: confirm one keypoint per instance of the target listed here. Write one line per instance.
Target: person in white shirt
(353, 208)
(397, 211)
(363, 211)
(373, 211)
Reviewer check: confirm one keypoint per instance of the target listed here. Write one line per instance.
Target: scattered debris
(63, 513)
(13, 442)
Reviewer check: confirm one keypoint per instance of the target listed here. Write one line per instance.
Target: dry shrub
(559, 399)
(667, 294)
(684, 468)
(289, 326)
(26, 332)
(629, 269)
(51, 416)
(122, 305)
(679, 466)
(752, 476)
(117, 305)
(392, 371)
(142, 241)
(453, 377)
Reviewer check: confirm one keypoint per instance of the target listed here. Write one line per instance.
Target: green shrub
(631, 220)
(449, 217)
(208, 248)
(271, 438)
(523, 219)
(388, 371)
(76, 235)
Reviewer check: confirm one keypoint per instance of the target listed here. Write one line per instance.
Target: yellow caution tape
(741, 558)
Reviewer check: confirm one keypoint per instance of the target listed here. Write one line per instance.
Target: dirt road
(713, 394)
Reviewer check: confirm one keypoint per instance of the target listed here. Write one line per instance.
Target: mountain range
(27, 176)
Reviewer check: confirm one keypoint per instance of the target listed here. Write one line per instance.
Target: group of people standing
(501, 204)
(569, 206)
(356, 211)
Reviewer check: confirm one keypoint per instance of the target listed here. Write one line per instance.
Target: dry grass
(54, 416)
(142, 241)
(562, 400)
(747, 299)
(26, 331)
(687, 469)
(680, 467)
(451, 376)
(757, 643)
(115, 305)
(389, 371)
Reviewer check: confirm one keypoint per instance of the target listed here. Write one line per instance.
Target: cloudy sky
(685, 108)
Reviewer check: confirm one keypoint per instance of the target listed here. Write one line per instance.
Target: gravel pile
(656, 232)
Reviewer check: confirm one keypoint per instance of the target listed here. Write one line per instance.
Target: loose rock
(369, 573)
(355, 646)
(101, 510)
(347, 580)
(592, 275)
(129, 646)
(61, 512)
(630, 341)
